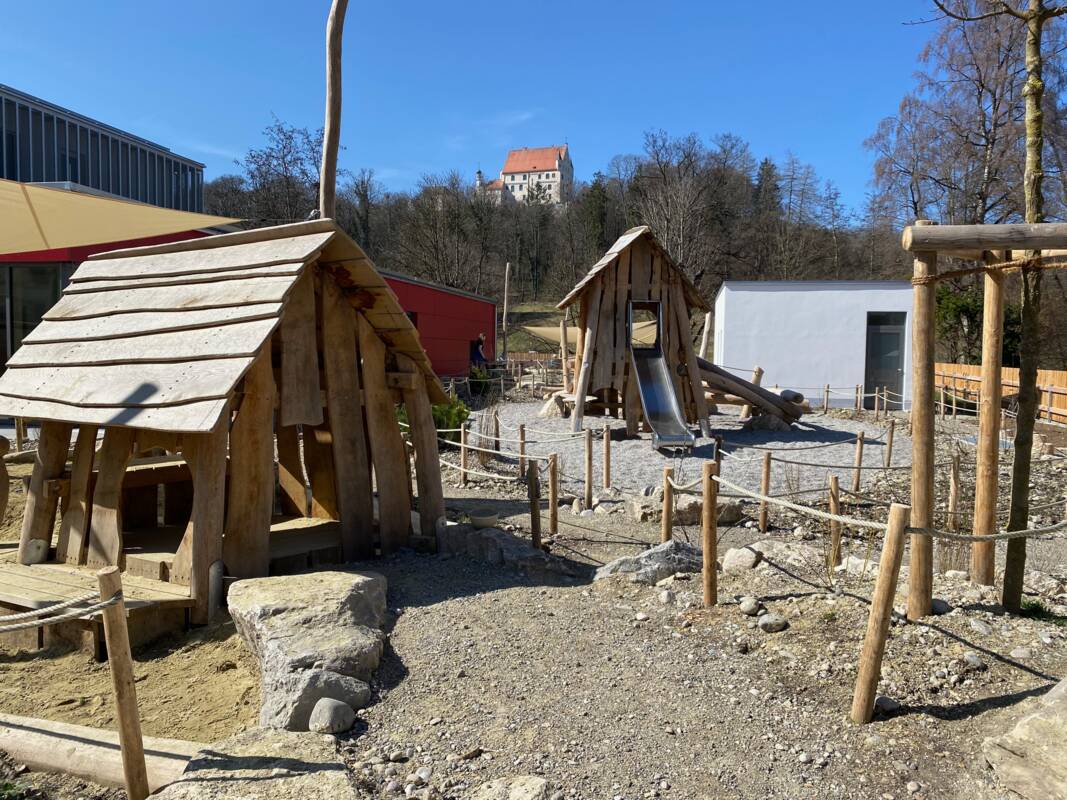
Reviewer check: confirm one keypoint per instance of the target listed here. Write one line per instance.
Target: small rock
(772, 623)
(749, 606)
(423, 774)
(886, 705)
(1021, 653)
(980, 627)
(666, 597)
(800, 532)
(957, 574)
(913, 787)
(939, 607)
(972, 663)
(331, 716)
(804, 758)
(740, 559)
(640, 616)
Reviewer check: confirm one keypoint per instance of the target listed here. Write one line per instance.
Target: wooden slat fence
(965, 381)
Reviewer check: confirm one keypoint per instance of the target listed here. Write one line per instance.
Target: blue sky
(434, 86)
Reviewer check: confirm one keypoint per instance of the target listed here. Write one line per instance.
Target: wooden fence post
(565, 353)
(859, 398)
(1050, 398)
(120, 664)
(718, 454)
(463, 454)
(588, 467)
(870, 667)
(877, 401)
(553, 494)
(826, 399)
(835, 526)
(889, 443)
(954, 494)
(765, 489)
(857, 463)
(533, 484)
(953, 402)
(667, 519)
(496, 430)
(923, 342)
(607, 457)
(709, 533)
(522, 450)
(20, 434)
(757, 376)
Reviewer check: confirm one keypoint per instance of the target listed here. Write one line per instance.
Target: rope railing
(37, 612)
(33, 619)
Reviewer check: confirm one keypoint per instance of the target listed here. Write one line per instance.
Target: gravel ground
(634, 464)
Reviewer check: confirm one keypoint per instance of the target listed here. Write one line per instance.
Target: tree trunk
(332, 129)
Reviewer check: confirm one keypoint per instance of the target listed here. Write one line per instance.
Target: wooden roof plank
(272, 270)
(196, 417)
(120, 326)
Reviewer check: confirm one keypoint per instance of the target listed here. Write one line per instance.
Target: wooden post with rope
(463, 454)
(924, 309)
(533, 485)
(834, 506)
(765, 489)
(120, 664)
(954, 494)
(607, 457)
(885, 587)
(859, 398)
(553, 494)
(709, 533)
(667, 518)
(588, 467)
(522, 450)
(718, 453)
(826, 399)
(889, 443)
(496, 430)
(857, 463)
(877, 401)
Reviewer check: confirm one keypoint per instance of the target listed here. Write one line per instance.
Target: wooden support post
(463, 454)
(74, 525)
(666, 529)
(120, 665)
(427, 457)
(765, 490)
(105, 532)
(987, 469)
(318, 460)
(504, 314)
(859, 398)
(1050, 401)
(522, 450)
(565, 353)
(39, 515)
(588, 468)
(607, 457)
(250, 490)
(293, 492)
(705, 336)
(718, 453)
(757, 376)
(877, 402)
(553, 494)
(954, 494)
(709, 533)
(954, 402)
(885, 587)
(533, 485)
(496, 430)
(889, 443)
(591, 313)
(857, 463)
(835, 526)
(20, 434)
(300, 401)
(826, 399)
(924, 309)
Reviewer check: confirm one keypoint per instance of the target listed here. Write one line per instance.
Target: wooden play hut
(232, 402)
(635, 272)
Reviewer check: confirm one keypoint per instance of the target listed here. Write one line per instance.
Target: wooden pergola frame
(995, 245)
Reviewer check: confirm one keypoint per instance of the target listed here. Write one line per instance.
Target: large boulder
(655, 564)
(494, 546)
(523, 787)
(1031, 759)
(265, 763)
(315, 635)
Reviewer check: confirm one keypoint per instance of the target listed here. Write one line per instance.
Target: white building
(806, 334)
(545, 172)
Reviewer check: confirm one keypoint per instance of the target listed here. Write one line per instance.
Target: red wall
(447, 323)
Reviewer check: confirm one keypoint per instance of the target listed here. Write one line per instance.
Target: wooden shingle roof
(158, 337)
(611, 258)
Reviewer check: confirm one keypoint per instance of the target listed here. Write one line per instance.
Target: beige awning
(44, 218)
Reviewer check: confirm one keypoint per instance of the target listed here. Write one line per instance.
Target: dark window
(142, 174)
(34, 290)
(24, 143)
(124, 159)
(11, 142)
(135, 174)
(37, 145)
(49, 147)
(161, 182)
(151, 175)
(62, 157)
(105, 163)
(94, 159)
(116, 168)
(85, 165)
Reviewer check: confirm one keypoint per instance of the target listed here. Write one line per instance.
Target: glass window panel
(124, 159)
(49, 147)
(94, 159)
(11, 148)
(105, 163)
(34, 290)
(61, 150)
(37, 144)
(84, 163)
(142, 172)
(4, 354)
(161, 182)
(116, 168)
(170, 184)
(24, 144)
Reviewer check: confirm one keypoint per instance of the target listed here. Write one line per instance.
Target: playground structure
(191, 359)
(646, 370)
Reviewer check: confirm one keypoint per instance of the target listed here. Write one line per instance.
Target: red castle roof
(533, 159)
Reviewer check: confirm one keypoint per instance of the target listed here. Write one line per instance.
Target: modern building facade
(534, 173)
(807, 334)
(44, 143)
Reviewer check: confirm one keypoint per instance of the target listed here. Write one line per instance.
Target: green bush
(12, 791)
(479, 380)
(445, 416)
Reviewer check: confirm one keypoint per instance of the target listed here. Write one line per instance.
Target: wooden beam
(351, 460)
(386, 443)
(105, 537)
(692, 369)
(250, 492)
(405, 381)
(74, 526)
(293, 492)
(335, 25)
(945, 239)
(318, 461)
(591, 310)
(39, 515)
(427, 460)
(201, 546)
(300, 401)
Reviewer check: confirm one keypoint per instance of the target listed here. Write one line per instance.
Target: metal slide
(658, 398)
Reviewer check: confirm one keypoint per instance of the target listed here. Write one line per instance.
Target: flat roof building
(45, 143)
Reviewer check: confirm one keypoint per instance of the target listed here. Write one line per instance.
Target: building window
(34, 290)
(24, 143)
(11, 142)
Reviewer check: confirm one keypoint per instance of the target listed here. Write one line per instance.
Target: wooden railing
(965, 380)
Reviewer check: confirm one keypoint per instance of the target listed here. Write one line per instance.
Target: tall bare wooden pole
(987, 469)
(331, 140)
(504, 315)
(924, 308)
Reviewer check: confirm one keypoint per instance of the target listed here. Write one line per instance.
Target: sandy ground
(612, 690)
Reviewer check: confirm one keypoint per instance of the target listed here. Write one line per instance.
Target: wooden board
(695, 384)
(144, 323)
(591, 310)
(427, 459)
(640, 270)
(241, 339)
(300, 402)
(275, 270)
(250, 490)
(292, 494)
(622, 345)
(604, 357)
(219, 294)
(127, 385)
(105, 537)
(39, 513)
(201, 259)
(387, 445)
(351, 459)
(188, 417)
(318, 462)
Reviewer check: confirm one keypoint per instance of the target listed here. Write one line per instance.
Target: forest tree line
(952, 153)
